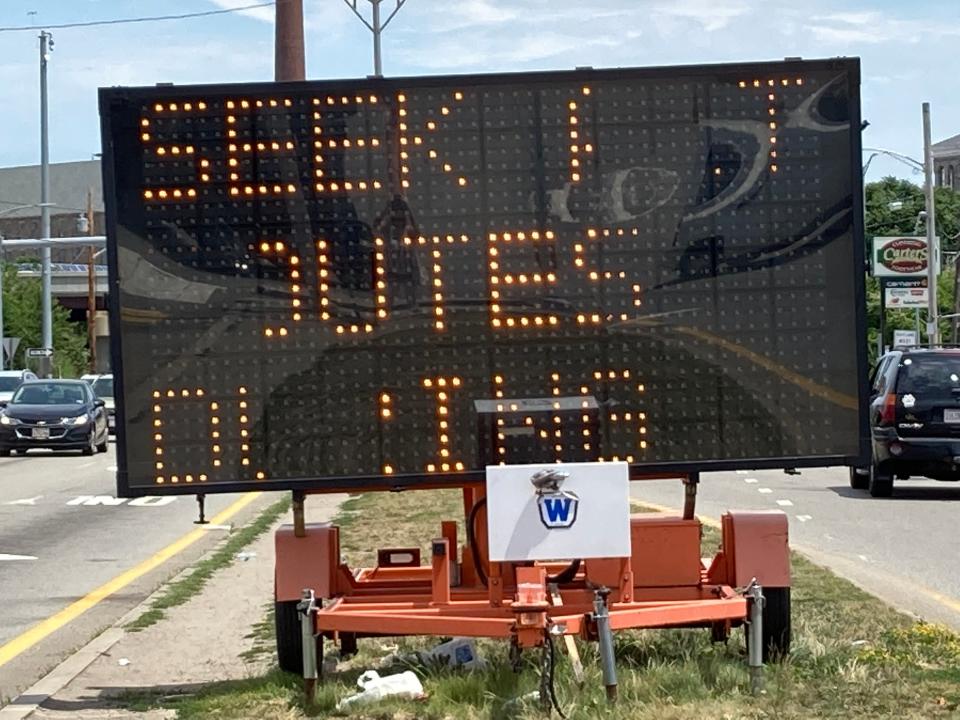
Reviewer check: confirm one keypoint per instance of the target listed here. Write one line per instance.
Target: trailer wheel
(289, 638)
(776, 624)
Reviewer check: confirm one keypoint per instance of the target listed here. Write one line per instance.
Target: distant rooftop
(69, 183)
(947, 148)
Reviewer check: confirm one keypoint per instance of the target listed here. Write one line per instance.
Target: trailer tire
(776, 624)
(290, 639)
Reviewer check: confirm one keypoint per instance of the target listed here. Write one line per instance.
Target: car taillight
(888, 410)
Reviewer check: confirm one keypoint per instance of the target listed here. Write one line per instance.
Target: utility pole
(289, 59)
(376, 27)
(46, 47)
(933, 331)
(91, 288)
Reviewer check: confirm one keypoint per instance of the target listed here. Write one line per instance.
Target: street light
(376, 26)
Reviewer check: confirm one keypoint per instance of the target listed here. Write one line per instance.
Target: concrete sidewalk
(197, 643)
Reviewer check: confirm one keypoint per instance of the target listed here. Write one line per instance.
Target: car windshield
(8, 383)
(929, 375)
(103, 387)
(49, 393)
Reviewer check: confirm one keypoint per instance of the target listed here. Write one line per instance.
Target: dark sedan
(54, 414)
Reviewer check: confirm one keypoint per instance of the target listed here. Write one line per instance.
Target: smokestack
(289, 61)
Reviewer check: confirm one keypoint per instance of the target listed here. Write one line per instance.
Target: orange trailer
(457, 591)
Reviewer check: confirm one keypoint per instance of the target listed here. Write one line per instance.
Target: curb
(30, 700)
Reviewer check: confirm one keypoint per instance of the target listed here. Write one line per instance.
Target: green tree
(894, 204)
(22, 304)
(892, 208)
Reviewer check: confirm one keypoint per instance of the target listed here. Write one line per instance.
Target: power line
(126, 21)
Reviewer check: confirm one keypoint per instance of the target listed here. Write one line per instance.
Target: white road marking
(151, 501)
(111, 501)
(111, 468)
(4, 556)
(108, 500)
(863, 557)
(742, 472)
(750, 481)
(25, 501)
(804, 518)
(784, 503)
(216, 527)
(765, 491)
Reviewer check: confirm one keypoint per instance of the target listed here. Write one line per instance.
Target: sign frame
(326, 484)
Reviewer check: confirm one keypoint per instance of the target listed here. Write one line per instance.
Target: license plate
(951, 416)
(41, 433)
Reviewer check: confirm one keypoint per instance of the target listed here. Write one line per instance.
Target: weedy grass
(853, 657)
(186, 586)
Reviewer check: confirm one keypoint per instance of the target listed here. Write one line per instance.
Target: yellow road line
(38, 632)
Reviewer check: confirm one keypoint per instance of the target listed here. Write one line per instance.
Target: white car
(102, 386)
(10, 380)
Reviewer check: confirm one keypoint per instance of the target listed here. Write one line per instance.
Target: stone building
(946, 163)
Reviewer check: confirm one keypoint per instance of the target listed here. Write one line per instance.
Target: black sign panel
(340, 284)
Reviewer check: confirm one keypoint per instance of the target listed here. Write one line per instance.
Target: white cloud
(710, 15)
(873, 28)
(264, 14)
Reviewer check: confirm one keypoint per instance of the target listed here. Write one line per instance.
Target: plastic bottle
(374, 687)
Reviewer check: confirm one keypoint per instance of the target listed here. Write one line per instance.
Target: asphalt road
(63, 535)
(902, 549)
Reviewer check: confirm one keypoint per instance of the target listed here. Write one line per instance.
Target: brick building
(946, 163)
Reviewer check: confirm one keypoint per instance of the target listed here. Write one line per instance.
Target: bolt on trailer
(536, 288)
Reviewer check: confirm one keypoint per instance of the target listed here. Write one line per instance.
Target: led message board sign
(401, 281)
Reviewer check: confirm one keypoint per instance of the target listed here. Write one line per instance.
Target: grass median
(853, 656)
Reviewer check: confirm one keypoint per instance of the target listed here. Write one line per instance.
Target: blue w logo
(558, 511)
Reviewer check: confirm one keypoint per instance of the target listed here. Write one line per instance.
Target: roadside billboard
(909, 293)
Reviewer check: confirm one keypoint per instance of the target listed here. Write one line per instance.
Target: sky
(909, 52)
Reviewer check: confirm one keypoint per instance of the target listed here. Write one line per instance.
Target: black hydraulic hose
(564, 576)
(551, 678)
(472, 539)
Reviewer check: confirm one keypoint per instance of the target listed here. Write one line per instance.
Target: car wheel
(859, 478)
(881, 482)
(91, 447)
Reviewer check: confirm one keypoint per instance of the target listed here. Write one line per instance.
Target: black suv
(914, 419)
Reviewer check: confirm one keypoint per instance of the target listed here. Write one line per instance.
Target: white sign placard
(905, 338)
(558, 511)
(909, 293)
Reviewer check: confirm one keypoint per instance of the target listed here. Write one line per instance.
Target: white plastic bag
(374, 687)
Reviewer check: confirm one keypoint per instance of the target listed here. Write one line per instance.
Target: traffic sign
(9, 346)
(39, 352)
